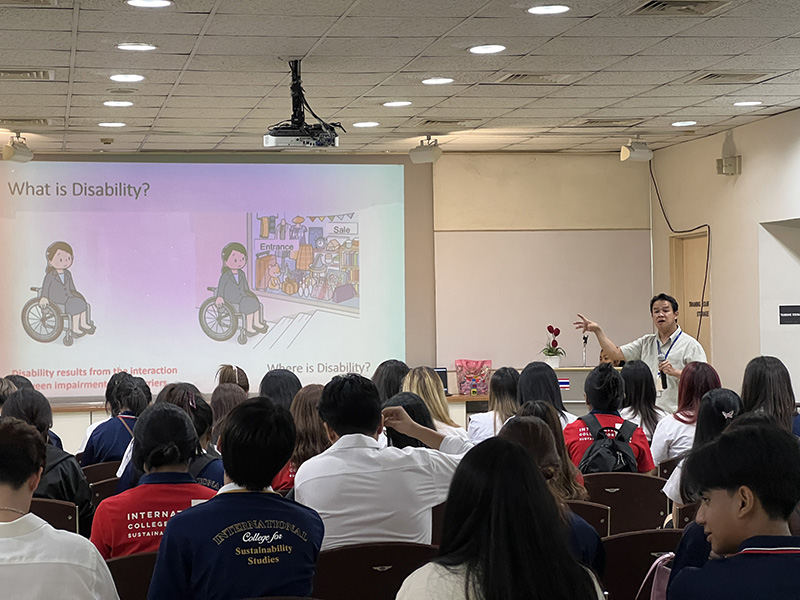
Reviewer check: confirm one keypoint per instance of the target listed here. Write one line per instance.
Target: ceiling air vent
(20, 124)
(538, 78)
(608, 123)
(448, 123)
(730, 77)
(122, 90)
(26, 75)
(677, 8)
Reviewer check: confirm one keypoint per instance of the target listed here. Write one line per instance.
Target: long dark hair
(697, 378)
(164, 436)
(280, 386)
(604, 388)
(508, 556)
(640, 393)
(419, 413)
(388, 377)
(767, 386)
(538, 381)
(311, 437)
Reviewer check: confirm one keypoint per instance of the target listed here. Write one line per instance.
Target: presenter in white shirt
(666, 352)
(39, 561)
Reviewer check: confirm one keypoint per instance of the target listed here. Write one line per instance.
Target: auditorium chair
(368, 571)
(103, 489)
(437, 523)
(597, 515)
(666, 468)
(629, 557)
(60, 514)
(101, 471)
(635, 499)
(686, 514)
(132, 574)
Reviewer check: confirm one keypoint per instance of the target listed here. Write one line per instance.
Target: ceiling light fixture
(635, 151)
(127, 78)
(437, 80)
(366, 124)
(397, 103)
(428, 151)
(487, 49)
(136, 46)
(548, 9)
(117, 103)
(749, 103)
(150, 3)
(16, 150)
(111, 124)
(684, 123)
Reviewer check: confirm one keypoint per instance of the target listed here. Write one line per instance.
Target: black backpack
(608, 455)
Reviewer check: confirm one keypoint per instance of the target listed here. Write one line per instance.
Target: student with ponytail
(134, 521)
(604, 390)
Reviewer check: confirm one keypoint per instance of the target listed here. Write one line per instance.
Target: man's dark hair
(30, 406)
(756, 453)
(19, 381)
(256, 442)
(665, 298)
(604, 388)
(351, 404)
(22, 451)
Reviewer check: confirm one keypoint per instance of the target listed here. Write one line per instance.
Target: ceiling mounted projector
(17, 151)
(428, 151)
(635, 151)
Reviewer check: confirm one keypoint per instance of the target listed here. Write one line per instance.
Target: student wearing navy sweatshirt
(247, 541)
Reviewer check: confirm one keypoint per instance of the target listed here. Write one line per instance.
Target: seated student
(247, 541)
(674, 434)
(20, 381)
(311, 436)
(425, 383)
(6, 389)
(749, 483)
(603, 390)
(639, 402)
(164, 441)
(233, 374)
(365, 493)
(767, 387)
(110, 439)
(38, 560)
(503, 404)
(535, 436)
(388, 378)
(502, 537)
(416, 409)
(538, 381)
(224, 398)
(62, 478)
(280, 386)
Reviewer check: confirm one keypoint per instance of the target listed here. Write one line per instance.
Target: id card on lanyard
(661, 378)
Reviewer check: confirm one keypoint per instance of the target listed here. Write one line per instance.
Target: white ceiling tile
(38, 59)
(33, 87)
(688, 46)
(31, 100)
(219, 90)
(418, 90)
(774, 8)
(356, 27)
(670, 102)
(184, 6)
(464, 102)
(578, 8)
(351, 64)
(104, 113)
(98, 75)
(505, 90)
(139, 21)
(499, 26)
(454, 45)
(84, 122)
(217, 126)
(128, 61)
(373, 47)
(757, 63)
(257, 25)
(468, 62)
(528, 122)
(267, 80)
(417, 9)
(377, 101)
(573, 102)
(11, 39)
(664, 63)
(785, 47)
(562, 64)
(769, 89)
(627, 113)
(178, 139)
(43, 19)
(633, 78)
(103, 88)
(708, 111)
(296, 8)
(459, 77)
(608, 91)
(261, 45)
(537, 112)
(30, 112)
(139, 101)
(253, 64)
(205, 113)
(634, 26)
(119, 136)
(739, 97)
(768, 27)
(695, 90)
(332, 91)
(584, 46)
(463, 113)
(793, 77)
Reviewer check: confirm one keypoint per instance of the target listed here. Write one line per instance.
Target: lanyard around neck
(658, 343)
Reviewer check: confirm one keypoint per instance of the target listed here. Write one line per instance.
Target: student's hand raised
(586, 325)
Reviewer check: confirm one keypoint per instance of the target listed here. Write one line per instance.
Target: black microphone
(662, 358)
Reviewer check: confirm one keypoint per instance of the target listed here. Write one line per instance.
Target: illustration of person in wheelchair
(233, 306)
(58, 306)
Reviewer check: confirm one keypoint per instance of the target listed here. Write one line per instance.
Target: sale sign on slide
(168, 270)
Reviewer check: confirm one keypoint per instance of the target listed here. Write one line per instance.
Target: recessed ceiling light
(749, 103)
(117, 103)
(397, 103)
(150, 3)
(684, 123)
(136, 46)
(111, 124)
(548, 9)
(437, 80)
(366, 124)
(130, 78)
(487, 49)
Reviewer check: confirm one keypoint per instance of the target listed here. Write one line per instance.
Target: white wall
(767, 191)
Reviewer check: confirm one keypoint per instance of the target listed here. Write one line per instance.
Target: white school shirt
(483, 426)
(671, 439)
(672, 489)
(685, 349)
(367, 494)
(629, 415)
(39, 561)
(448, 430)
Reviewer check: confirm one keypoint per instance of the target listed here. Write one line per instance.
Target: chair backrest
(101, 471)
(666, 468)
(374, 571)
(686, 514)
(132, 574)
(629, 557)
(437, 523)
(597, 515)
(60, 514)
(103, 489)
(635, 499)
(78, 457)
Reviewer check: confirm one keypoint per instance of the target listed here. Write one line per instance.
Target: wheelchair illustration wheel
(218, 321)
(43, 323)
(242, 338)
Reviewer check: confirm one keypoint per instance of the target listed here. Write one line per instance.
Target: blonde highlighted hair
(425, 383)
